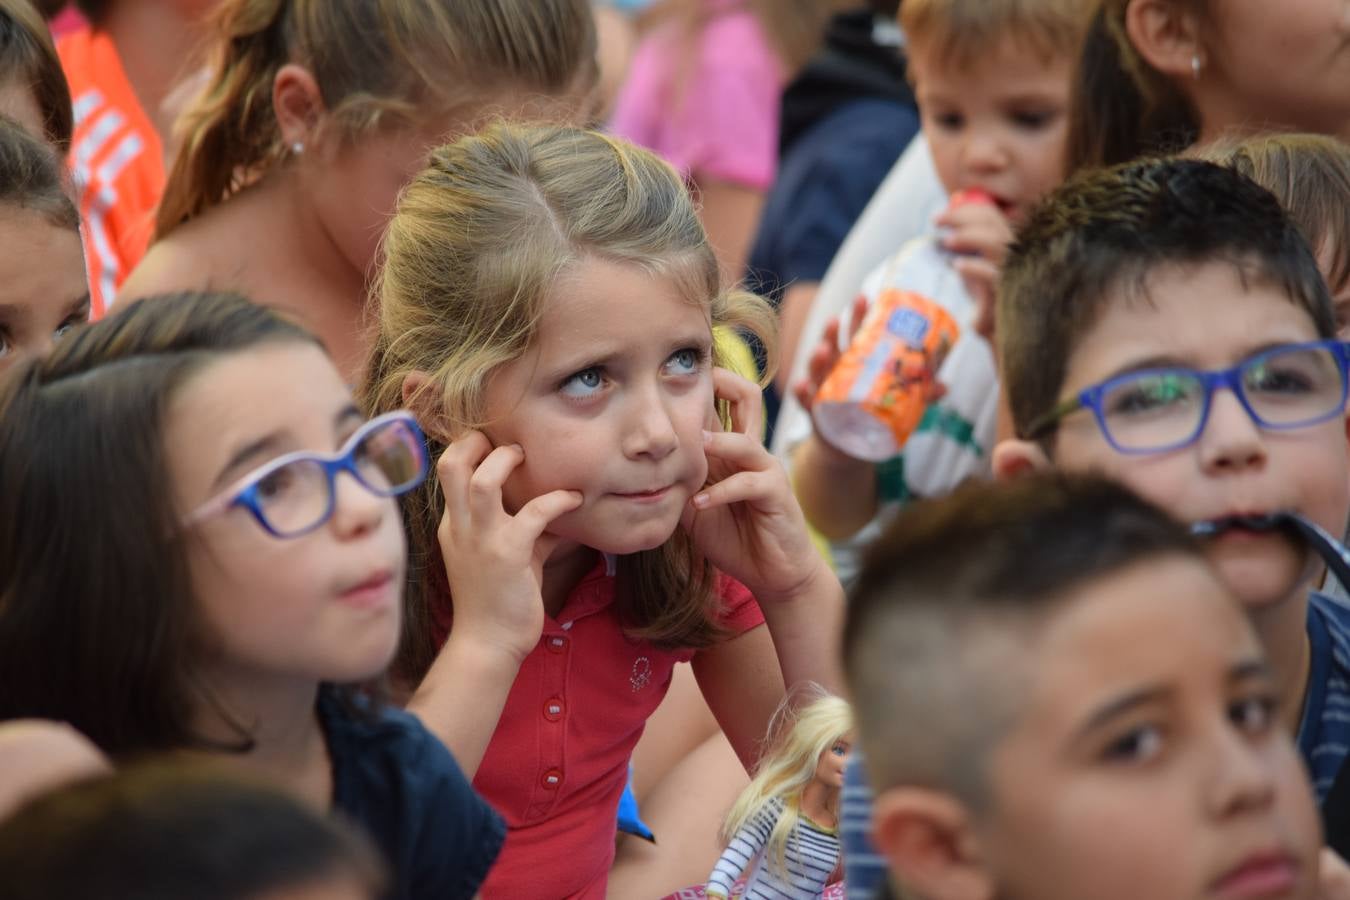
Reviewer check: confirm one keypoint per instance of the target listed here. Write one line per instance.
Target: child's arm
(495, 566)
(838, 493)
(749, 526)
(745, 846)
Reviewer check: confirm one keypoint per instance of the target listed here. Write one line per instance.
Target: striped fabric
(811, 856)
(117, 162)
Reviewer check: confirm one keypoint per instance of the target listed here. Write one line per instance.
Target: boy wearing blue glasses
(1164, 323)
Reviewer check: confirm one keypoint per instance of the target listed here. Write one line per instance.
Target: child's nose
(1231, 439)
(984, 152)
(356, 510)
(651, 431)
(1241, 772)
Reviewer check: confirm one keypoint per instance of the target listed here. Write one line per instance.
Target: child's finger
(456, 467)
(857, 313)
(485, 487)
(738, 488)
(741, 450)
(805, 392)
(745, 399)
(539, 513)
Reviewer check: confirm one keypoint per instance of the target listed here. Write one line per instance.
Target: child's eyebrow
(1164, 361)
(1121, 705)
(269, 444)
(1243, 670)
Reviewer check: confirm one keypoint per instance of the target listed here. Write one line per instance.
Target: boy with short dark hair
(1060, 699)
(1165, 324)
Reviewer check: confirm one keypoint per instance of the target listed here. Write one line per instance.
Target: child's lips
(1265, 874)
(648, 496)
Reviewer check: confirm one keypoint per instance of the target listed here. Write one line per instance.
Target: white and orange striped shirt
(117, 161)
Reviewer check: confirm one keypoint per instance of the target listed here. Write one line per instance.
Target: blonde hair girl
(547, 306)
(316, 114)
(778, 818)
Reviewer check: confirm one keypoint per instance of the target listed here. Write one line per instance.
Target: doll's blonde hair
(478, 241)
(801, 735)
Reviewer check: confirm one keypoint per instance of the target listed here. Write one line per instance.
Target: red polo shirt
(558, 760)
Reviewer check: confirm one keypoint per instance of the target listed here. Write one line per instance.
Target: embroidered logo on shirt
(642, 673)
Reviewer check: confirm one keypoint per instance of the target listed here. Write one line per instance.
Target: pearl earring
(298, 147)
(1196, 65)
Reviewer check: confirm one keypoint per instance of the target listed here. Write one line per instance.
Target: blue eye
(584, 384)
(685, 362)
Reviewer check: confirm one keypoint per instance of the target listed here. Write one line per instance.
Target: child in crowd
(165, 831)
(1310, 175)
(316, 115)
(548, 302)
(33, 89)
(1162, 75)
(992, 82)
(1059, 698)
(1127, 294)
(201, 553)
(122, 69)
(1166, 324)
(43, 292)
(704, 90)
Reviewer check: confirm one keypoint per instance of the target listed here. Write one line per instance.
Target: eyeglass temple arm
(1047, 422)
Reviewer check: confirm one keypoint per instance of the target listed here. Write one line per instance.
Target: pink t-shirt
(715, 116)
(558, 760)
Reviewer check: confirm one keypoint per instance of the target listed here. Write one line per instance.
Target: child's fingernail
(700, 500)
(707, 436)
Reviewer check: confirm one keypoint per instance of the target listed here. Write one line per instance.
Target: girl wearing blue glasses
(200, 552)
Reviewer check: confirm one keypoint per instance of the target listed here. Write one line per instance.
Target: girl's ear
(1166, 36)
(1016, 457)
(929, 842)
(423, 400)
(298, 105)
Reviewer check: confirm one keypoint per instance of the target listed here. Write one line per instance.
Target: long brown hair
(1121, 107)
(375, 61)
(28, 56)
(470, 257)
(97, 623)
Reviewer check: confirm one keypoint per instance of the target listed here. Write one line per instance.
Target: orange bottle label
(881, 386)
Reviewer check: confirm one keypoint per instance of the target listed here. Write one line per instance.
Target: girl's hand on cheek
(747, 521)
(494, 560)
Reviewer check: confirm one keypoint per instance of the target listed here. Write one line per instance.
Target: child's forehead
(1219, 306)
(1153, 626)
(941, 54)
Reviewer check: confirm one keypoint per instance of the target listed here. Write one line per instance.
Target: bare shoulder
(170, 265)
(200, 255)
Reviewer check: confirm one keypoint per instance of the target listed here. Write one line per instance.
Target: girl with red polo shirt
(548, 307)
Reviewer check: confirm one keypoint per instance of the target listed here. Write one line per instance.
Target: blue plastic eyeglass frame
(244, 492)
(1211, 379)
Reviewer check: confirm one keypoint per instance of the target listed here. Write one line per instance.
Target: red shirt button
(552, 778)
(556, 644)
(553, 709)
